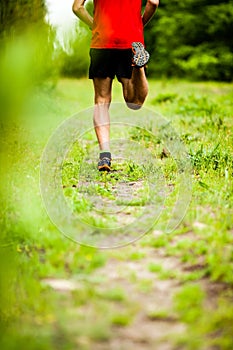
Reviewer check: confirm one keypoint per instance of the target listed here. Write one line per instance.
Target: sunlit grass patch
(202, 115)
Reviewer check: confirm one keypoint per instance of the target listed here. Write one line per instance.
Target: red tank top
(117, 23)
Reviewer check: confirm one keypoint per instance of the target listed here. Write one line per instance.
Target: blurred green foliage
(16, 15)
(75, 61)
(27, 56)
(193, 39)
(26, 62)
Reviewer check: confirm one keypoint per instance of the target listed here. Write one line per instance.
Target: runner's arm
(150, 9)
(81, 12)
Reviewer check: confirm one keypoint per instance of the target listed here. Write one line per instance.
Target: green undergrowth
(33, 250)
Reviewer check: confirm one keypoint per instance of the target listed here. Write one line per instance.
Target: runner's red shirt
(117, 23)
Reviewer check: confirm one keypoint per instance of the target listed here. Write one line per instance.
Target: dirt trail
(146, 331)
(154, 325)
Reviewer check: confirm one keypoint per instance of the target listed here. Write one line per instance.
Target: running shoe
(140, 55)
(104, 164)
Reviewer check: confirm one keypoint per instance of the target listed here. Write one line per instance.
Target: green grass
(33, 249)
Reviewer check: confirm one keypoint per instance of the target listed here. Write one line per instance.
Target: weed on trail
(172, 290)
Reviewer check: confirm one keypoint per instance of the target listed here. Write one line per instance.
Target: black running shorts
(110, 62)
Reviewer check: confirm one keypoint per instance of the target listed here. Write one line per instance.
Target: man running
(117, 49)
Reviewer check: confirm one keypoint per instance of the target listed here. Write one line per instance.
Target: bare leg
(101, 119)
(135, 89)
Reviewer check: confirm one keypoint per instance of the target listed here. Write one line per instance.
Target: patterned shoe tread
(141, 56)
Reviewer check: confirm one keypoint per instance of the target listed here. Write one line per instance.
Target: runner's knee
(103, 99)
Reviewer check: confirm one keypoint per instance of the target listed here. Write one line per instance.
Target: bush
(75, 63)
(192, 39)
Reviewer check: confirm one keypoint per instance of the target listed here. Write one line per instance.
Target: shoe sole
(104, 168)
(141, 56)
